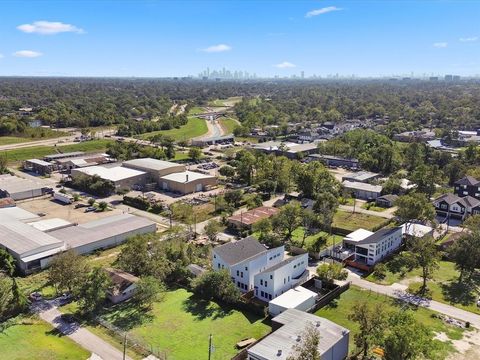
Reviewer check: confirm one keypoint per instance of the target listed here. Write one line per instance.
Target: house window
(269, 296)
(238, 273)
(238, 283)
(246, 268)
(261, 281)
(241, 274)
(270, 258)
(218, 266)
(214, 256)
(284, 280)
(262, 293)
(271, 277)
(266, 283)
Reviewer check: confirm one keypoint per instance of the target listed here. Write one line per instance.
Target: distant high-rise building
(448, 77)
(302, 74)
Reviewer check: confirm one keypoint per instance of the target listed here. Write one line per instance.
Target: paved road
(89, 341)
(384, 214)
(398, 291)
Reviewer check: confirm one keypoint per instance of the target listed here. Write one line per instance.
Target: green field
(29, 338)
(9, 140)
(225, 102)
(181, 324)
(443, 286)
(194, 127)
(298, 237)
(41, 151)
(351, 222)
(339, 309)
(228, 125)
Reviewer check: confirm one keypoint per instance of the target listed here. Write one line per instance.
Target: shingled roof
(468, 180)
(238, 251)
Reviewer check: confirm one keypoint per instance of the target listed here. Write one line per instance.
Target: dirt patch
(411, 280)
(468, 346)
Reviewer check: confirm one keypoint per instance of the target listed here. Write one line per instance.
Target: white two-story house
(369, 248)
(277, 279)
(244, 259)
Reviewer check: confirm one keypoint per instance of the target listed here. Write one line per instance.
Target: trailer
(64, 198)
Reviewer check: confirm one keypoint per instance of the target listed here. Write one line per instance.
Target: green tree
(194, 153)
(233, 197)
(307, 348)
(212, 229)
(465, 253)
(93, 291)
(91, 201)
(325, 207)
(227, 171)
(328, 272)
(68, 271)
(102, 205)
(372, 321)
(407, 339)
(216, 285)
(148, 290)
(414, 206)
(288, 219)
(425, 255)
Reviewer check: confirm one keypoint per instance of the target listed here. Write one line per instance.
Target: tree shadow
(127, 317)
(463, 293)
(203, 309)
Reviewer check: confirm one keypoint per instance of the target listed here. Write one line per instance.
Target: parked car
(80, 205)
(68, 318)
(90, 209)
(35, 296)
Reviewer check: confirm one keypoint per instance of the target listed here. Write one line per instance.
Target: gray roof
(38, 162)
(378, 236)
(360, 176)
(294, 323)
(15, 184)
(23, 239)
(238, 251)
(389, 197)
(281, 264)
(355, 185)
(98, 230)
(150, 164)
(64, 155)
(467, 180)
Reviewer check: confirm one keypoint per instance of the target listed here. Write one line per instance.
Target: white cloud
(469, 39)
(49, 28)
(27, 54)
(440, 45)
(217, 48)
(321, 11)
(285, 65)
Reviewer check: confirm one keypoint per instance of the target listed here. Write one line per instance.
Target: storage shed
(298, 298)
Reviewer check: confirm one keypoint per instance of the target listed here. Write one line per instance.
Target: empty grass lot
(297, 237)
(30, 338)
(351, 222)
(228, 125)
(339, 309)
(36, 152)
(443, 286)
(180, 326)
(194, 127)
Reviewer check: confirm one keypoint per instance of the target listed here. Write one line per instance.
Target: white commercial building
(298, 298)
(370, 249)
(244, 259)
(187, 182)
(281, 277)
(122, 177)
(19, 189)
(287, 331)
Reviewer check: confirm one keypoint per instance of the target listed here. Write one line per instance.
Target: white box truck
(64, 198)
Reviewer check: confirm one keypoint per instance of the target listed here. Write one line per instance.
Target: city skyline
(167, 39)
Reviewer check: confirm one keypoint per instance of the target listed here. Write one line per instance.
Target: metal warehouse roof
(279, 344)
(39, 162)
(50, 224)
(101, 229)
(151, 164)
(64, 155)
(362, 186)
(17, 213)
(23, 239)
(113, 174)
(15, 184)
(186, 176)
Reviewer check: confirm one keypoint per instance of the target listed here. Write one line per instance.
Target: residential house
(287, 332)
(451, 205)
(369, 248)
(467, 186)
(307, 136)
(124, 285)
(244, 259)
(277, 279)
(386, 201)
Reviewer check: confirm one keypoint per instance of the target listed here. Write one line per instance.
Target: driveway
(47, 310)
(398, 291)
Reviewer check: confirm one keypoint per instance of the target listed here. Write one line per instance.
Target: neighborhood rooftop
(238, 251)
(378, 236)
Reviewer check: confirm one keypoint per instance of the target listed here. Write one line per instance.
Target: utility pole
(124, 346)
(210, 347)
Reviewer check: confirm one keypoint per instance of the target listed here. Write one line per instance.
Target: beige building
(122, 177)
(187, 182)
(155, 168)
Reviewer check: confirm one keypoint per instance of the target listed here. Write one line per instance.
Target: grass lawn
(8, 140)
(339, 309)
(228, 125)
(351, 222)
(194, 127)
(30, 338)
(41, 151)
(373, 207)
(181, 324)
(298, 237)
(443, 286)
(196, 110)
(226, 102)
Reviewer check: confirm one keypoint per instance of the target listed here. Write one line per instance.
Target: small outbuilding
(124, 285)
(386, 201)
(187, 182)
(298, 298)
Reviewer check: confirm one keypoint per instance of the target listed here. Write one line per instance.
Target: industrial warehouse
(167, 176)
(34, 244)
(20, 189)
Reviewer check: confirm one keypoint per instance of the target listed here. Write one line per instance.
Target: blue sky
(160, 38)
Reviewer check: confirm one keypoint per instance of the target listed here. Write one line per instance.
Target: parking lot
(53, 209)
